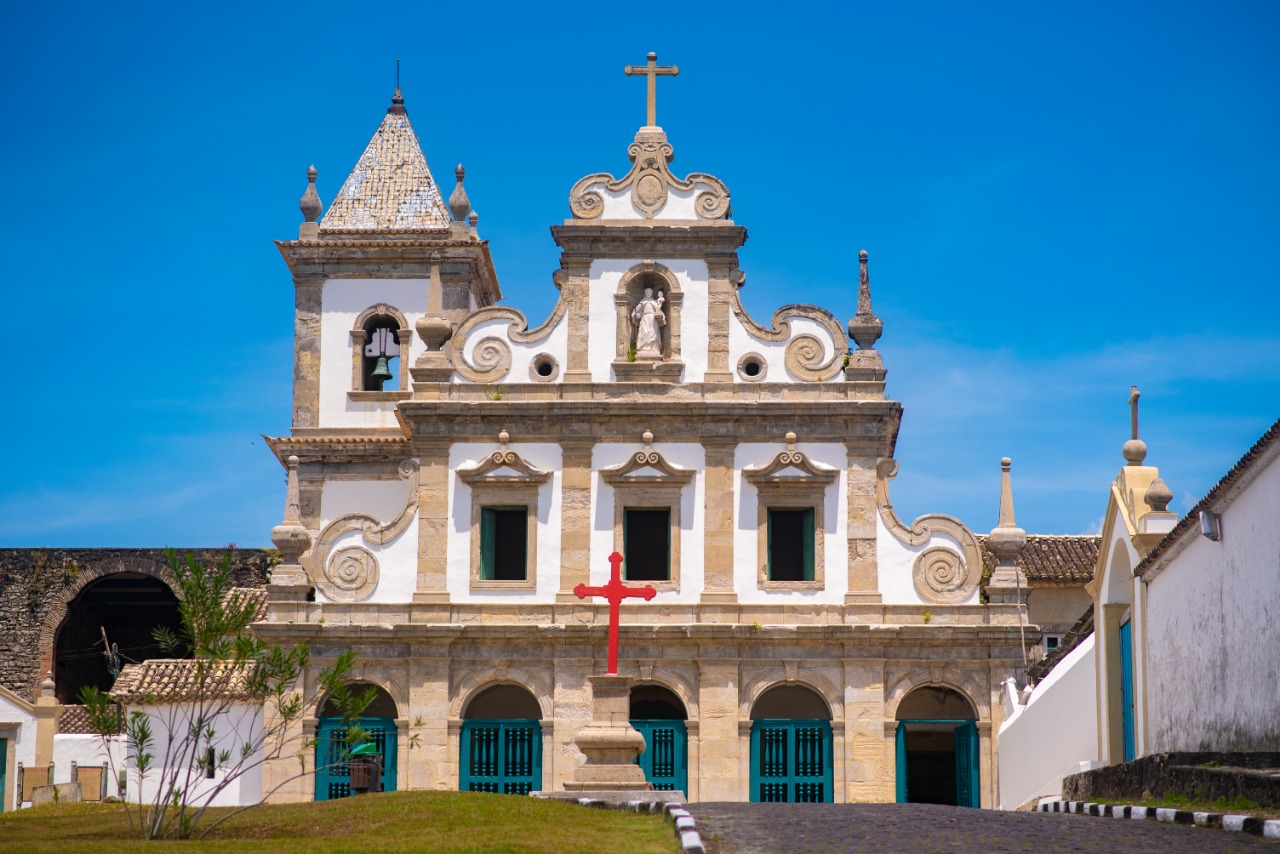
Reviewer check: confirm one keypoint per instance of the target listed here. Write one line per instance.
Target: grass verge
(1180, 802)
(395, 821)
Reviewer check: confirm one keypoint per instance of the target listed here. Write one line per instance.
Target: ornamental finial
(1006, 539)
(865, 328)
(1135, 450)
(310, 202)
(459, 204)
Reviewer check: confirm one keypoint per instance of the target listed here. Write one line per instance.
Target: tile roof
(1230, 479)
(390, 189)
(1052, 558)
(168, 680)
(257, 596)
(74, 720)
(1073, 638)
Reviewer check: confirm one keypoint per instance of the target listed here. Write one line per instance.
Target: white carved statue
(648, 317)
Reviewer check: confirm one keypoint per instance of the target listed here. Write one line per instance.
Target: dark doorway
(128, 607)
(937, 749)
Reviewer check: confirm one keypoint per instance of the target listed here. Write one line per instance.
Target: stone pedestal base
(288, 583)
(609, 742)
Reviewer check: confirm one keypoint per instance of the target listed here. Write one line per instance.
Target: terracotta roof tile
(74, 720)
(390, 189)
(257, 596)
(1073, 638)
(1053, 558)
(173, 680)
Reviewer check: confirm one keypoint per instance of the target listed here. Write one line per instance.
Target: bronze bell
(381, 372)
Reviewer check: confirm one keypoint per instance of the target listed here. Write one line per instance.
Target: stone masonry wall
(37, 584)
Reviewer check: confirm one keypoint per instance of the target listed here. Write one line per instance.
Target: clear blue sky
(1059, 199)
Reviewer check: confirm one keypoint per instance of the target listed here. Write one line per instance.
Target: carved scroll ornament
(351, 573)
(804, 353)
(491, 357)
(650, 182)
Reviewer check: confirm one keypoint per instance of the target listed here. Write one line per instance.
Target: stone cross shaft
(653, 71)
(614, 592)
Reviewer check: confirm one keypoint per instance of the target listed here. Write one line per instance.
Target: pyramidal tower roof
(390, 189)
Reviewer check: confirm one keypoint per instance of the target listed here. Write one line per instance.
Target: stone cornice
(336, 448)
(644, 239)
(331, 258)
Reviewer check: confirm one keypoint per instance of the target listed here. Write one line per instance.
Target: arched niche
(365, 334)
(790, 701)
(383, 706)
(630, 291)
(936, 702)
(503, 701)
(126, 608)
(650, 701)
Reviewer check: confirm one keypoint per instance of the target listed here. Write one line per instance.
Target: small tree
(207, 724)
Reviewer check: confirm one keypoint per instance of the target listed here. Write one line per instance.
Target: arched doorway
(121, 609)
(658, 715)
(333, 744)
(500, 749)
(937, 749)
(791, 747)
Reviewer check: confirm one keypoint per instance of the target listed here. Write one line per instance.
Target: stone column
(46, 711)
(433, 521)
(864, 729)
(306, 351)
(719, 496)
(433, 764)
(574, 279)
(720, 750)
(575, 517)
(719, 295)
(864, 583)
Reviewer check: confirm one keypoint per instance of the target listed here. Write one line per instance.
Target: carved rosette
(806, 359)
(351, 575)
(650, 182)
(490, 361)
(941, 577)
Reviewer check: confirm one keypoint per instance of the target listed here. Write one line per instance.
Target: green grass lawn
(395, 821)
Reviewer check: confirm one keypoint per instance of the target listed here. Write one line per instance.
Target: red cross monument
(615, 591)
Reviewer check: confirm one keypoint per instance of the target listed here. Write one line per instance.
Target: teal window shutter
(488, 542)
(808, 544)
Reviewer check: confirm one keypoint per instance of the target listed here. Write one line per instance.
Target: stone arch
(673, 682)
(649, 694)
(148, 564)
(1117, 580)
(360, 337)
(471, 686)
(631, 287)
(377, 709)
(954, 680)
(369, 676)
(815, 682)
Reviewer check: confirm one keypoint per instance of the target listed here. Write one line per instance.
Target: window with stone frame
(380, 354)
(504, 519)
(791, 500)
(647, 494)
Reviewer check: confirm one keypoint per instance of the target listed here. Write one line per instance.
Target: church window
(646, 543)
(504, 541)
(379, 353)
(790, 540)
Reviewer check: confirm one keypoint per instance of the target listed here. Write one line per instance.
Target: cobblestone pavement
(734, 828)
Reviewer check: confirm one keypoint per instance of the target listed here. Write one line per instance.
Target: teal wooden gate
(666, 757)
(791, 761)
(500, 756)
(1126, 688)
(968, 755)
(333, 774)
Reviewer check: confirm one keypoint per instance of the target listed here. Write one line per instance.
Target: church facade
(455, 472)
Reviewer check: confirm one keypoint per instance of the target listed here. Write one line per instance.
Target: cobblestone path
(730, 828)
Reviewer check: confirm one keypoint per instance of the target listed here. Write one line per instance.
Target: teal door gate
(666, 757)
(500, 756)
(968, 754)
(333, 749)
(791, 761)
(1126, 688)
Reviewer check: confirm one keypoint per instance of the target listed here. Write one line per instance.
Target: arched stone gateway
(500, 749)
(937, 749)
(122, 609)
(659, 716)
(791, 753)
(334, 777)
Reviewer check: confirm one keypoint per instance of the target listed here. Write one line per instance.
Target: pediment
(503, 466)
(647, 467)
(790, 467)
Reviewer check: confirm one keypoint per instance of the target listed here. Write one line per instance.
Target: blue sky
(1059, 200)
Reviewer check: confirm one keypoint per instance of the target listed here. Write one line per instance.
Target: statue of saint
(648, 316)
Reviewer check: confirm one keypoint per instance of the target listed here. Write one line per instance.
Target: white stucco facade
(235, 783)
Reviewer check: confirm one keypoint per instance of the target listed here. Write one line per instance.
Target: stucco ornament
(351, 575)
(940, 576)
(491, 357)
(650, 182)
(806, 355)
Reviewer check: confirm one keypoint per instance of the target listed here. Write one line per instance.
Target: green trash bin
(366, 769)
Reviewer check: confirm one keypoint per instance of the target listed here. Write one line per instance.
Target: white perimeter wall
(746, 550)
(382, 499)
(1053, 733)
(341, 302)
(603, 315)
(1213, 633)
(17, 727)
(88, 751)
(241, 724)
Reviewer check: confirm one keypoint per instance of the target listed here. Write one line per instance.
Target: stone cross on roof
(653, 71)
